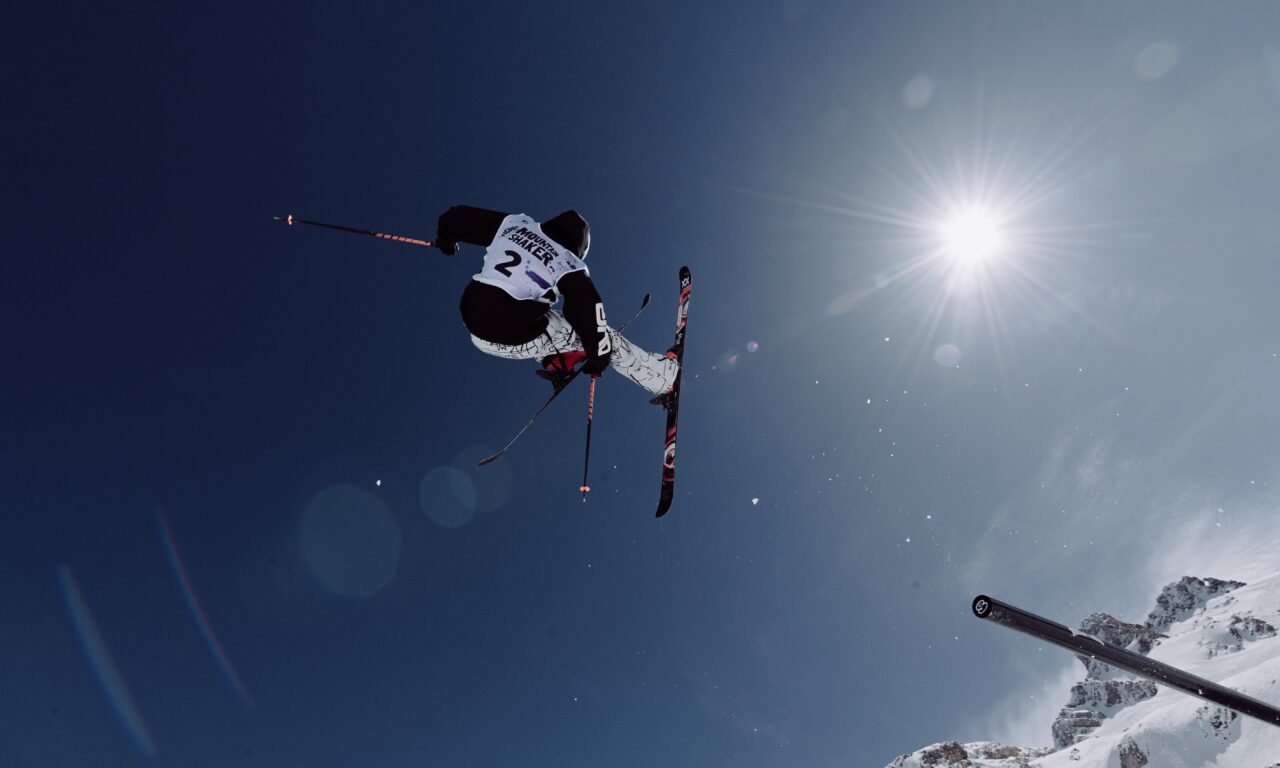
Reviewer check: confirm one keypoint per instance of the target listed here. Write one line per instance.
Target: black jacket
(492, 314)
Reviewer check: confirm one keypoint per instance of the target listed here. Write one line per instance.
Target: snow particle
(755, 501)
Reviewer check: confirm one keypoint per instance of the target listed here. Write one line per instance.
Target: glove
(596, 365)
(447, 247)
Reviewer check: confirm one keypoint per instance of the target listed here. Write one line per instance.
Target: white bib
(524, 262)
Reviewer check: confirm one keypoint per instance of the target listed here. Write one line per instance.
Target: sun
(974, 229)
(972, 237)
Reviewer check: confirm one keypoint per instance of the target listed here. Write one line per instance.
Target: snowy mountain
(1224, 631)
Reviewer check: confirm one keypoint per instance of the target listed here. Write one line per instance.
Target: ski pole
(291, 220)
(1084, 645)
(586, 459)
(643, 303)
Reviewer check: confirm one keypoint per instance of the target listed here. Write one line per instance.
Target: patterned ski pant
(655, 373)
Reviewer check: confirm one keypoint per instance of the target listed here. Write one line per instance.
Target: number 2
(504, 267)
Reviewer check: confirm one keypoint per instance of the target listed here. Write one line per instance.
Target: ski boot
(558, 368)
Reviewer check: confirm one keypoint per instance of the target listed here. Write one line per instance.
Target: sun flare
(975, 227)
(973, 236)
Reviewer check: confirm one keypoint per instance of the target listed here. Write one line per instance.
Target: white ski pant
(655, 373)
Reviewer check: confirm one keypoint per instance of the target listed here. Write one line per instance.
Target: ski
(671, 401)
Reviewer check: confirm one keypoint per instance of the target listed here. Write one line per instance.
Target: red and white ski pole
(586, 460)
(291, 220)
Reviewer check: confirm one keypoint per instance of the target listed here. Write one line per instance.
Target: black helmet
(570, 230)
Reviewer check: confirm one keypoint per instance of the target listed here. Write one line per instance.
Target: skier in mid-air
(528, 266)
(507, 306)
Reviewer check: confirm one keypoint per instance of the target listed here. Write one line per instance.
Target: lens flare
(350, 541)
(198, 614)
(104, 666)
(947, 355)
(448, 497)
(918, 92)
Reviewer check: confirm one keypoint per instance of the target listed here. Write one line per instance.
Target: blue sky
(1104, 422)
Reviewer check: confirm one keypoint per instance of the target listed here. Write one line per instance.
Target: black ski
(671, 401)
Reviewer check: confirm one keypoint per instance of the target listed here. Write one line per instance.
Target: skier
(507, 306)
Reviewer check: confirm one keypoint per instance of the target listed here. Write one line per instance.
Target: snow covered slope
(1221, 630)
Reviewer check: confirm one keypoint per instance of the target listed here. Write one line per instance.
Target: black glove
(447, 247)
(596, 365)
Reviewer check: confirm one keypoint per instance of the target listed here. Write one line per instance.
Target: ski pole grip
(985, 607)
